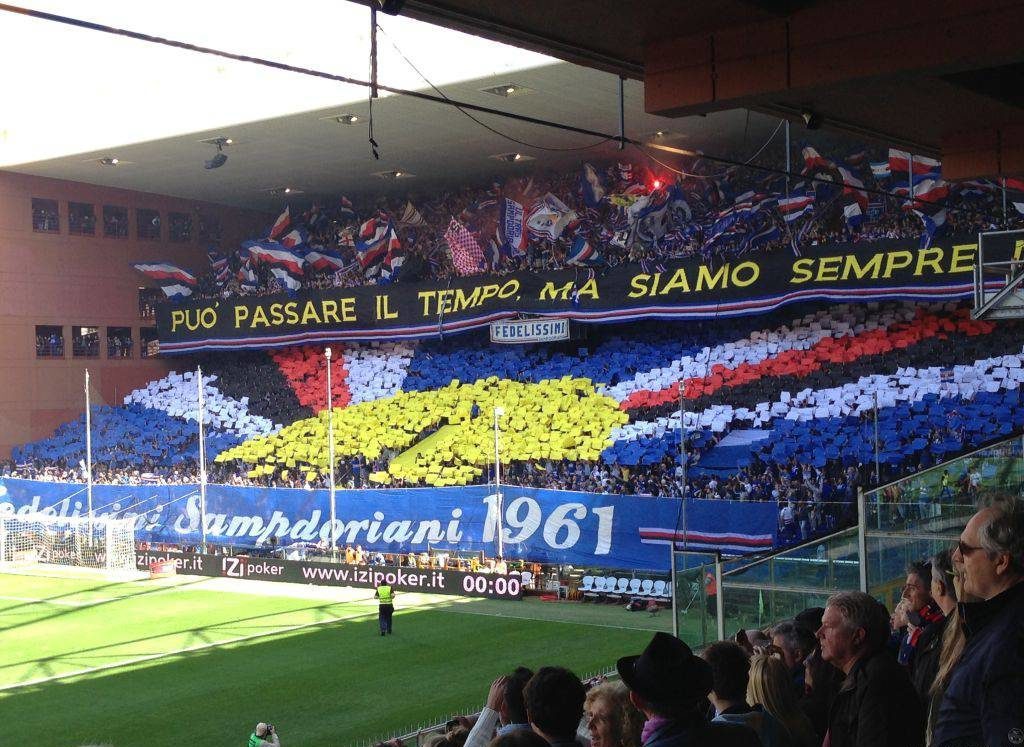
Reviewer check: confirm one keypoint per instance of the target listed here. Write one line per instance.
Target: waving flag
(372, 243)
(295, 239)
(512, 231)
(393, 259)
(346, 213)
(166, 272)
(467, 256)
(880, 169)
(246, 275)
(411, 216)
(321, 260)
(274, 255)
(285, 279)
(175, 290)
(591, 186)
(217, 260)
(549, 217)
(814, 162)
(899, 162)
(762, 235)
(930, 207)
(284, 220)
(794, 208)
(583, 254)
(976, 188)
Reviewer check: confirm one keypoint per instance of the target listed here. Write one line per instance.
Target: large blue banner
(548, 526)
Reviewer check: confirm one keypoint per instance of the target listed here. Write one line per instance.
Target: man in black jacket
(984, 701)
(876, 705)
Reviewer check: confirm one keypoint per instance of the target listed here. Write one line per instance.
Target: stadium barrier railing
(907, 520)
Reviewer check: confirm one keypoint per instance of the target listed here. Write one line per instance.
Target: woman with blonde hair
(611, 718)
(771, 688)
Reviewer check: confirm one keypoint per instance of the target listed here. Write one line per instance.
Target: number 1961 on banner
(561, 528)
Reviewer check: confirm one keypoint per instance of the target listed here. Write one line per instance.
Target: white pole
(330, 455)
(498, 412)
(878, 469)
(672, 580)
(683, 459)
(88, 450)
(719, 601)
(202, 457)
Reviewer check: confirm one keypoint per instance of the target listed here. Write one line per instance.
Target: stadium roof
(941, 77)
(89, 96)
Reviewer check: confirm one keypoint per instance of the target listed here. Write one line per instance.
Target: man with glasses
(984, 702)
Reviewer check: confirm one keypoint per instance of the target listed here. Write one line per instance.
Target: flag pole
(787, 160)
(498, 412)
(1005, 218)
(88, 449)
(202, 458)
(330, 457)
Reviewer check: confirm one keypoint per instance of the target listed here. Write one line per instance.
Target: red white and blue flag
(899, 162)
(285, 279)
(284, 220)
(295, 239)
(394, 258)
(793, 208)
(275, 255)
(583, 254)
(372, 243)
(321, 260)
(739, 543)
(166, 272)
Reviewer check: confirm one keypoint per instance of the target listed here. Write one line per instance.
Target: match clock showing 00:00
(491, 585)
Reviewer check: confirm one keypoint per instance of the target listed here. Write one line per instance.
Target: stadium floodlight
(220, 157)
(812, 119)
(330, 455)
(28, 541)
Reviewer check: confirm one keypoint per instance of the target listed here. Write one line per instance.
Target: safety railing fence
(904, 521)
(913, 518)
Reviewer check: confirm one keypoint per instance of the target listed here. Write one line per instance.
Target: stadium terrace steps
(305, 369)
(131, 438)
(376, 370)
(255, 375)
(556, 419)
(178, 396)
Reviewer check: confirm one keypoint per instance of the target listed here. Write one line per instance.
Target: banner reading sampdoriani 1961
(682, 289)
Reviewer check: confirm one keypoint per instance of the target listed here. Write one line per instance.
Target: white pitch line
(189, 649)
(60, 603)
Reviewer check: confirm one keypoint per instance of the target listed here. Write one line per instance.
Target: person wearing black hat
(670, 686)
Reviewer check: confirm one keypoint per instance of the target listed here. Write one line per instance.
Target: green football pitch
(195, 661)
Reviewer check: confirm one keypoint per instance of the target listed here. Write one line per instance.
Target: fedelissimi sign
(530, 330)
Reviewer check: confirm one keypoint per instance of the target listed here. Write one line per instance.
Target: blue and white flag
(549, 217)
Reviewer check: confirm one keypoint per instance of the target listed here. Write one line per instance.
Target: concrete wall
(71, 281)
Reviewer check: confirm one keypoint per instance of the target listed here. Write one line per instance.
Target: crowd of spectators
(49, 344)
(945, 669)
(696, 201)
